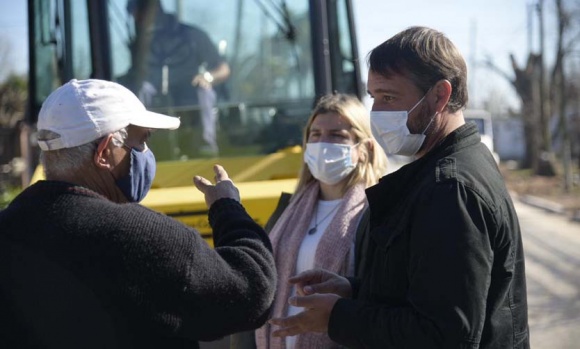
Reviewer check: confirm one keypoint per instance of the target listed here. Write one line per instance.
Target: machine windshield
(243, 76)
(238, 73)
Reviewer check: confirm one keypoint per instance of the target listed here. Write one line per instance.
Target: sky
(13, 33)
(479, 28)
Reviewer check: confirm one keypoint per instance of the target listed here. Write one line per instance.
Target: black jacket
(80, 271)
(444, 264)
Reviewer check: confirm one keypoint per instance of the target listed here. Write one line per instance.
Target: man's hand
(318, 290)
(314, 318)
(204, 80)
(321, 281)
(223, 188)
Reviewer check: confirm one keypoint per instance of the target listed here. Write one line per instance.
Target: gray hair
(60, 163)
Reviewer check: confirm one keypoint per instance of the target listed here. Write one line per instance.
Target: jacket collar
(394, 187)
(53, 187)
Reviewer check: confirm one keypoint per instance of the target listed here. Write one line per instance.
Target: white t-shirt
(325, 211)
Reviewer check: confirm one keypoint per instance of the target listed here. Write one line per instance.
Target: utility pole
(546, 139)
(473, 60)
(562, 100)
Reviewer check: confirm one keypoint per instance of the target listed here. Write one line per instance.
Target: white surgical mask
(391, 131)
(330, 163)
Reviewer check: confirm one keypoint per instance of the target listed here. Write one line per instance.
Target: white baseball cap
(82, 111)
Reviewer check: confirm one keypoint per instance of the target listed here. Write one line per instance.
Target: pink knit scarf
(332, 253)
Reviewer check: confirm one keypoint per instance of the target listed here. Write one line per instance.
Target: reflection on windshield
(175, 64)
(226, 68)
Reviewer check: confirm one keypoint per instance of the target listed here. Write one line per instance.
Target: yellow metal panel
(187, 204)
(260, 179)
(280, 165)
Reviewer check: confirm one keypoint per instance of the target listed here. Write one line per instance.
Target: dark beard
(419, 123)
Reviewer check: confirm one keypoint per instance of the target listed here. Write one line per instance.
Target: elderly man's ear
(103, 155)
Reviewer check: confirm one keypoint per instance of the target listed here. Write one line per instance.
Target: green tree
(13, 94)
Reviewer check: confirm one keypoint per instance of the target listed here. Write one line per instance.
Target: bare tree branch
(488, 62)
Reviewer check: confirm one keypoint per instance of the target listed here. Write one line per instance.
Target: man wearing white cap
(83, 265)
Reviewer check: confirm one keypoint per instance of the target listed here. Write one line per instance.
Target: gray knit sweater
(79, 271)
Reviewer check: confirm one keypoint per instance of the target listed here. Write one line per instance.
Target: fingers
(306, 277)
(323, 287)
(312, 301)
(289, 326)
(303, 291)
(313, 281)
(287, 331)
(220, 173)
(201, 184)
(199, 81)
(195, 80)
(314, 318)
(223, 188)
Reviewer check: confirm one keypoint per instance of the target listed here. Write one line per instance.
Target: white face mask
(391, 131)
(330, 163)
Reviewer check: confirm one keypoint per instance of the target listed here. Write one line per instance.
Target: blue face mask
(137, 183)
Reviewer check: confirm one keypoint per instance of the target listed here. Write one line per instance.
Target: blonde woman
(317, 227)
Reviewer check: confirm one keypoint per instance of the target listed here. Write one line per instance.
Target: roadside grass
(524, 182)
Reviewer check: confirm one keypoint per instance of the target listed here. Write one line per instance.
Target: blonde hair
(372, 164)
